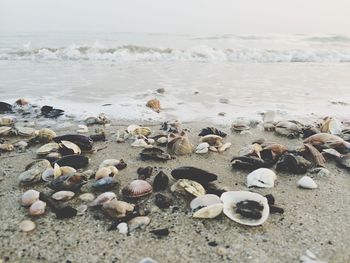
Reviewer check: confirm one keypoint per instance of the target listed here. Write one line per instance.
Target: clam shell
(109, 162)
(7, 120)
(46, 135)
(230, 200)
(48, 175)
(30, 176)
(307, 183)
(131, 128)
(25, 131)
(140, 143)
(261, 177)
(83, 142)
(27, 226)
(138, 222)
(154, 104)
(252, 149)
(103, 198)
(63, 195)
(144, 131)
(184, 186)
(37, 208)
(224, 147)
(212, 140)
(210, 211)
(204, 200)
(105, 183)
(162, 140)
(137, 189)
(69, 147)
(109, 171)
(6, 147)
(202, 148)
(48, 148)
(117, 209)
(5, 130)
(87, 197)
(29, 197)
(325, 140)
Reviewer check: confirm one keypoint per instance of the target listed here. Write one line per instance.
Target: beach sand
(317, 220)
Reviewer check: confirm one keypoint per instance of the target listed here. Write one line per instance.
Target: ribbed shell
(137, 189)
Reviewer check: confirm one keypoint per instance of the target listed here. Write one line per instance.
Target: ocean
(298, 76)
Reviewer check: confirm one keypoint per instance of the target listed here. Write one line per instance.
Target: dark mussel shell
(308, 131)
(75, 161)
(67, 183)
(50, 112)
(137, 189)
(144, 172)
(160, 182)
(84, 142)
(193, 173)
(212, 130)
(162, 232)
(100, 137)
(293, 164)
(5, 107)
(162, 201)
(105, 183)
(154, 154)
(213, 188)
(121, 165)
(250, 209)
(249, 163)
(344, 161)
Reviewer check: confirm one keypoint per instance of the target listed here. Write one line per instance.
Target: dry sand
(318, 220)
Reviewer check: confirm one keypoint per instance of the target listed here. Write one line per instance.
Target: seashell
(22, 102)
(117, 209)
(144, 131)
(30, 176)
(137, 189)
(87, 197)
(160, 182)
(82, 141)
(144, 172)
(109, 162)
(332, 152)
(154, 104)
(287, 128)
(67, 183)
(210, 211)
(67, 148)
(48, 148)
(202, 147)
(317, 157)
(245, 208)
(307, 182)
(46, 135)
(275, 149)
(212, 140)
(50, 112)
(37, 208)
(212, 130)
(74, 161)
(21, 145)
(29, 197)
(184, 186)
(162, 140)
(131, 128)
(224, 147)
(332, 126)
(249, 163)
(261, 177)
(162, 201)
(82, 129)
(5, 130)
(138, 222)
(5, 107)
(140, 143)
(326, 140)
(109, 171)
(179, 144)
(239, 127)
(252, 149)
(344, 161)
(105, 183)
(7, 120)
(150, 141)
(63, 195)
(123, 228)
(27, 226)
(62, 171)
(81, 210)
(193, 173)
(103, 198)
(25, 131)
(213, 149)
(6, 147)
(293, 164)
(204, 200)
(154, 154)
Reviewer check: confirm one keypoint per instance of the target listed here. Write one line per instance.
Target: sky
(177, 16)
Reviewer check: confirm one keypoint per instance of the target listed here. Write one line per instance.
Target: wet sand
(318, 220)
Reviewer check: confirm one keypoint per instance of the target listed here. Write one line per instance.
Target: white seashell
(202, 148)
(212, 140)
(109, 162)
(204, 200)
(87, 197)
(210, 211)
(162, 140)
(48, 175)
(307, 182)
(27, 226)
(57, 170)
(81, 210)
(151, 141)
(29, 197)
(82, 129)
(131, 128)
(209, 206)
(37, 208)
(5, 130)
(63, 195)
(213, 149)
(25, 131)
(138, 222)
(103, 198)
(230, 200)
(224, 147)
(139, 143)
(71, 146)
(110, 171)
(123, 228)
(261, 177)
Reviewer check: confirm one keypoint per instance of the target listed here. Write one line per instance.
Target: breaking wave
(195, 54)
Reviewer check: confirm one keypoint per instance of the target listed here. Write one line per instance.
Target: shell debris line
(66, 167)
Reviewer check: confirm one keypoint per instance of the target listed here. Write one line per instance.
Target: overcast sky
(177, 16)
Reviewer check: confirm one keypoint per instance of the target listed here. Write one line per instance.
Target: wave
(195, 54)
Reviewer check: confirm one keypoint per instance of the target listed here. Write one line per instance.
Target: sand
(317, 220)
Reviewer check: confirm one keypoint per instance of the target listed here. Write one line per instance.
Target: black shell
(212, 130)
(105, 183)
(67, 183)
(50, 112)
(249, 163)
(5, 107)
(84, 142)
(160, 182)
(162, 201)
(193, 173)
(293, 164)
(154, 154)
(144, 172)
(75, 161)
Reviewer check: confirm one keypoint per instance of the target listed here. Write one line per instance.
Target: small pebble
(123, 228)
(27, 225)
(221, 251)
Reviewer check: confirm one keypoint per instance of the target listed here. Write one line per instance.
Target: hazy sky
(177, 16)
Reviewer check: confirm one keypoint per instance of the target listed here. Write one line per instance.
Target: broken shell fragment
(37, 208)
(138, 222)
(63, 195)
(202, 147)
(117, 209)
(29, 197)
(245, 208)
(307, 182)
(154, 154)
(224, 147)
(185, 186)
(212, 130)
(27, 226)
(293, 164)
(137, 189)
(261, 177)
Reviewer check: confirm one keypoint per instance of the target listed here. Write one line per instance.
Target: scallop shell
(5, 130)
(48, 148)
(87, 197)
(154, 104)
(70, 147)
(212, 140)
(230, 200)
(202, 148)
(27, 226)
(103, 198)
(37, 208)
(307, 182)
(46, 135)
(137, 189)
(261, 177)
(117, 209)
(184, 186)
(110, 171)
(63, 195)
(29, 197)
(138, 222)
